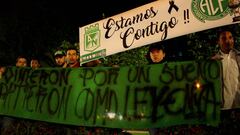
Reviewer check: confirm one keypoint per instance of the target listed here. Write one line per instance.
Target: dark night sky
(62, 13)
(77, 12)
(31, 26)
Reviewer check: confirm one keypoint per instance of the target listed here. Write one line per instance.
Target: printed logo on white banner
(210, 9)
(92, 38)
(154, 22)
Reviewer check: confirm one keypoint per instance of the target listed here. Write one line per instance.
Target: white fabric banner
(153, 22)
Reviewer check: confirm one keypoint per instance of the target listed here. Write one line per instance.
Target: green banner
(125, 97)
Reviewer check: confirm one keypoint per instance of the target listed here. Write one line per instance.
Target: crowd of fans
(228, 55)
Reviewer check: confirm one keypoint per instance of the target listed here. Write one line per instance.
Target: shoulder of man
(237, 54)
(217, 56)
(236, 51)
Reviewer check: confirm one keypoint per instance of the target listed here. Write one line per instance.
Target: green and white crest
(92, 38)
(210, 9)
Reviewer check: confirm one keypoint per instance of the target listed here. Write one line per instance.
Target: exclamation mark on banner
(186, 16)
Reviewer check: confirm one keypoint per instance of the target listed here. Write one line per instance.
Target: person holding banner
(72, 58)
(35, 63)
(230, 58)
(59, 57)
(156, 54)
(21, 61)
(8, 122)
(2, 70)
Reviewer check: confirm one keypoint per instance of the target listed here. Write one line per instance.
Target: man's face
(2, 69)
(157, 55)
(21, 62)
(60, 60)
(72, 56)
(35, 64)
(226, 41)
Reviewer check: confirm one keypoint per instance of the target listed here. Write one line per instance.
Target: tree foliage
(202, 45)
(195, 46)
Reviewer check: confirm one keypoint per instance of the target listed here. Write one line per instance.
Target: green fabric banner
(125, 97)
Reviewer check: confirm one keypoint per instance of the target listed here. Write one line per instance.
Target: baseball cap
(59, 53)
(156, 46)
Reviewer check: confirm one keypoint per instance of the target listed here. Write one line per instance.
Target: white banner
(153, 22)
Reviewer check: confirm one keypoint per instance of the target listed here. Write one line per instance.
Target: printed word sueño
(208, 70)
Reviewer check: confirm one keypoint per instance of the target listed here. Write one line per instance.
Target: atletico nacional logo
(92, 38)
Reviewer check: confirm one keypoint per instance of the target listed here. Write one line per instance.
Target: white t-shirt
(230, 78)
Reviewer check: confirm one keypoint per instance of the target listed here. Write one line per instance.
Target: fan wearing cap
(156, 54)
(59, 57)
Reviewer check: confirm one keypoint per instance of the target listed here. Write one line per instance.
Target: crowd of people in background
(68, 58)
(228, 55)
